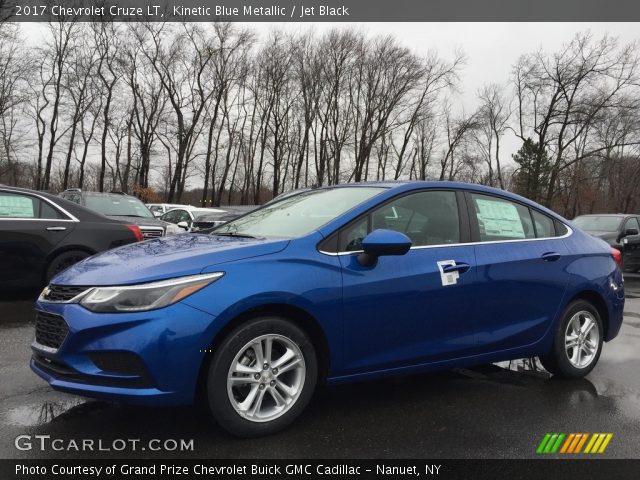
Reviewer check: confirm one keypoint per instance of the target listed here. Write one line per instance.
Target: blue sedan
(332, 285)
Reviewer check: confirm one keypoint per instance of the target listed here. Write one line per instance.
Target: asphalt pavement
(493, 411)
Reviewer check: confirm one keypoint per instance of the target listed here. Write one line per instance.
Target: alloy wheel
(582, 339)
(266, 378)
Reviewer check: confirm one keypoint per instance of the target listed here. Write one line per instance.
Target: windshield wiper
(231, 234)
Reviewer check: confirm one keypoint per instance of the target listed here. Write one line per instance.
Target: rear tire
(64, 261)
(261, 377)
(577, 343)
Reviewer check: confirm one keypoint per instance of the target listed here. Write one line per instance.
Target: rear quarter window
(544, 225)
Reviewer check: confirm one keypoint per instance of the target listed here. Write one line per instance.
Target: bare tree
(14, 73)
(493, 117)
(181, 72)
(56, 55)
(570, 88)
(78, 88)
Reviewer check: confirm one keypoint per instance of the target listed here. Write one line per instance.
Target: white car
(183, 217)
(159, 209)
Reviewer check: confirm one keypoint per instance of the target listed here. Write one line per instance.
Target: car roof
(408, 185)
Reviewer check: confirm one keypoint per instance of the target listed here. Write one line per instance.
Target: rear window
(117, 206)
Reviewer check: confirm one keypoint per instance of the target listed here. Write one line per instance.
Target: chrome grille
(61, 293)
(51, 330)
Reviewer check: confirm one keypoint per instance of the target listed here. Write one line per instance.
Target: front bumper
(149, 358)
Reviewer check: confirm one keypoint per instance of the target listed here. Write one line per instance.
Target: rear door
(520, 271)
(30, 228)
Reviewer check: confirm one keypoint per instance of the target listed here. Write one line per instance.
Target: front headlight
(148, 296)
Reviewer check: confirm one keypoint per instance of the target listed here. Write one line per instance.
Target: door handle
(458, 267)
(56, 229)
(550, 256)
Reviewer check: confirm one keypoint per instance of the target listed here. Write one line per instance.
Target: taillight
(136, 232)
(617, 256)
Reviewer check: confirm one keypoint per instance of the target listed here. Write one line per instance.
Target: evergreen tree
(532, 176)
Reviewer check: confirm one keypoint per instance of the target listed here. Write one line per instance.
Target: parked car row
(42, 234)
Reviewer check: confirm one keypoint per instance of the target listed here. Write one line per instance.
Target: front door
(631, 245)
(407, 310)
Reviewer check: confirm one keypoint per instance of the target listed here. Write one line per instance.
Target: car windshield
(118, 206)
(597, 223)
(298, 215)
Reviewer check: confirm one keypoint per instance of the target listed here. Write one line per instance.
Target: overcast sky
(491, 49)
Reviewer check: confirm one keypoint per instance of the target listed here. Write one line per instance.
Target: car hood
(166, 257)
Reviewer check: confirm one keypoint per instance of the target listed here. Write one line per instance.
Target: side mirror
(183, 225)
(383, 242)
(630, 231)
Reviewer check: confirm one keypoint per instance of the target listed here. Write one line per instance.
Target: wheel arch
(597, 300)
(301, 317)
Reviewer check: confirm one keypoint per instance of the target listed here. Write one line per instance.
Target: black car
(42, 234)
(120, 206)
(619, 230)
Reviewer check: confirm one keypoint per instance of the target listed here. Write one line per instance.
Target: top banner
(320, 10)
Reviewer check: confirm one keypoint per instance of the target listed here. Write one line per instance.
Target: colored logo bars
(574, 443)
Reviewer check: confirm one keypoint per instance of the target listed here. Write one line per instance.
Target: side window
(48, 212)
(14, 205)
(170, 216)
(631, 223)
(561, 228)
(350, 239)
(544, 225)
(427, 218)
(500, 219)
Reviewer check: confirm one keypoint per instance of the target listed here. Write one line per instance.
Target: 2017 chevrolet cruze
(334, 284)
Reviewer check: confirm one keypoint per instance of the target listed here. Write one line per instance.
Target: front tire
(64, 261)
(577, 343)
(261, 377)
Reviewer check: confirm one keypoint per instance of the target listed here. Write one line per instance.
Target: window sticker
(499, 219)
(16, 207)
